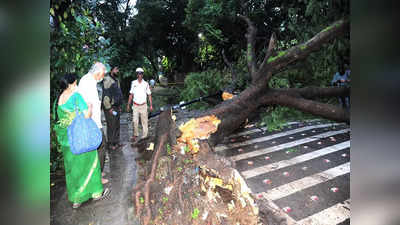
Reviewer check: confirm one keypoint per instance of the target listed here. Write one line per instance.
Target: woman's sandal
(106, 193)
(104, 180)
(76, 205)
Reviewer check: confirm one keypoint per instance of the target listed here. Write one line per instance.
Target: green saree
(82, 172)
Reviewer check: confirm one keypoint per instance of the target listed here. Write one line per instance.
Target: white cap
(139, 70)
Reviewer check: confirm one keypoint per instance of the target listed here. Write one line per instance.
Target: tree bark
(251, 55)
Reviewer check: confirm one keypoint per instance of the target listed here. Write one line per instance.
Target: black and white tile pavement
(303, 170)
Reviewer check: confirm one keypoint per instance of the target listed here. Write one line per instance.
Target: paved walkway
(302, 171)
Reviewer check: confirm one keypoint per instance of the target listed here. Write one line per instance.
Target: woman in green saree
(82, 172)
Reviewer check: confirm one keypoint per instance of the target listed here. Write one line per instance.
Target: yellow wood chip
(151, 147)
(216, 181)
(226, 96)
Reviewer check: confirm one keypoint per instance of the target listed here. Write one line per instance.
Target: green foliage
(242, 72)
(195, 213)
(186, 149)
(141, 199)
(179, 169)
(167, 65)
(202, 84)
(56, 156)
(291, 150)
(305, 19)
(169, 150)
(165, 199)
(77, 45)
(278, 116)
(281, 81)
(186, 161)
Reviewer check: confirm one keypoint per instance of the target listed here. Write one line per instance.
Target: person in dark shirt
(342, 78)
(112, 101)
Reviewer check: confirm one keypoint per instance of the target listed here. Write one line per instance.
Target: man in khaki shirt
(139, 91)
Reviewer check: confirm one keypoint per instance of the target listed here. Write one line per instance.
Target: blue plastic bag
(83, 135)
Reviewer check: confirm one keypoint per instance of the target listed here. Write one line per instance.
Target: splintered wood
(238, 208)
(198, 129)
(226, 95)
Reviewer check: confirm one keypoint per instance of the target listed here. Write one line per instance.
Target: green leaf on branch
(195, 213)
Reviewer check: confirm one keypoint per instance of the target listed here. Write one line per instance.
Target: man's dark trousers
(113, 125)
(101, 151)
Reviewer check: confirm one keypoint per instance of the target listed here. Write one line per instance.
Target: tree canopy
(190, 34)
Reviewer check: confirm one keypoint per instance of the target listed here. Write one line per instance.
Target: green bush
(276, 117)
(203, 84)
(56, 156)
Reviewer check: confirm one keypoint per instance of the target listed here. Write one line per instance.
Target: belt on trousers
(138, 104)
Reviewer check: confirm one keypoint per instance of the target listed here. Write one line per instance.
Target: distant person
(152, 83)
(342, 79)
(88, 90)
(112, 101)
(82, 172)
(139, 91)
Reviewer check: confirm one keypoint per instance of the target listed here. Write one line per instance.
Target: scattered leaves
(195, 213)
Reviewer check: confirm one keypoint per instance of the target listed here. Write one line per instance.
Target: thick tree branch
(301, 51)
(251, 55)
(314, 92)
(286, 98)
(270, 51)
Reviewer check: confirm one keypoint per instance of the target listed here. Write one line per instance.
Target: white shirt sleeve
(88, 89)
(131, 91)
(82, 86)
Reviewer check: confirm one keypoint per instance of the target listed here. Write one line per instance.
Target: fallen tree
(234, 111)
(185, 182)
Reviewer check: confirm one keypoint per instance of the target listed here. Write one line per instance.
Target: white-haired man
(139, 91)
(88, 89)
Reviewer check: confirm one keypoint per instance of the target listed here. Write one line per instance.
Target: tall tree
(159, 29)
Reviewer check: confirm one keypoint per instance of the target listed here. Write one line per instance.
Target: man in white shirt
(88, 89)
(139, 91)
